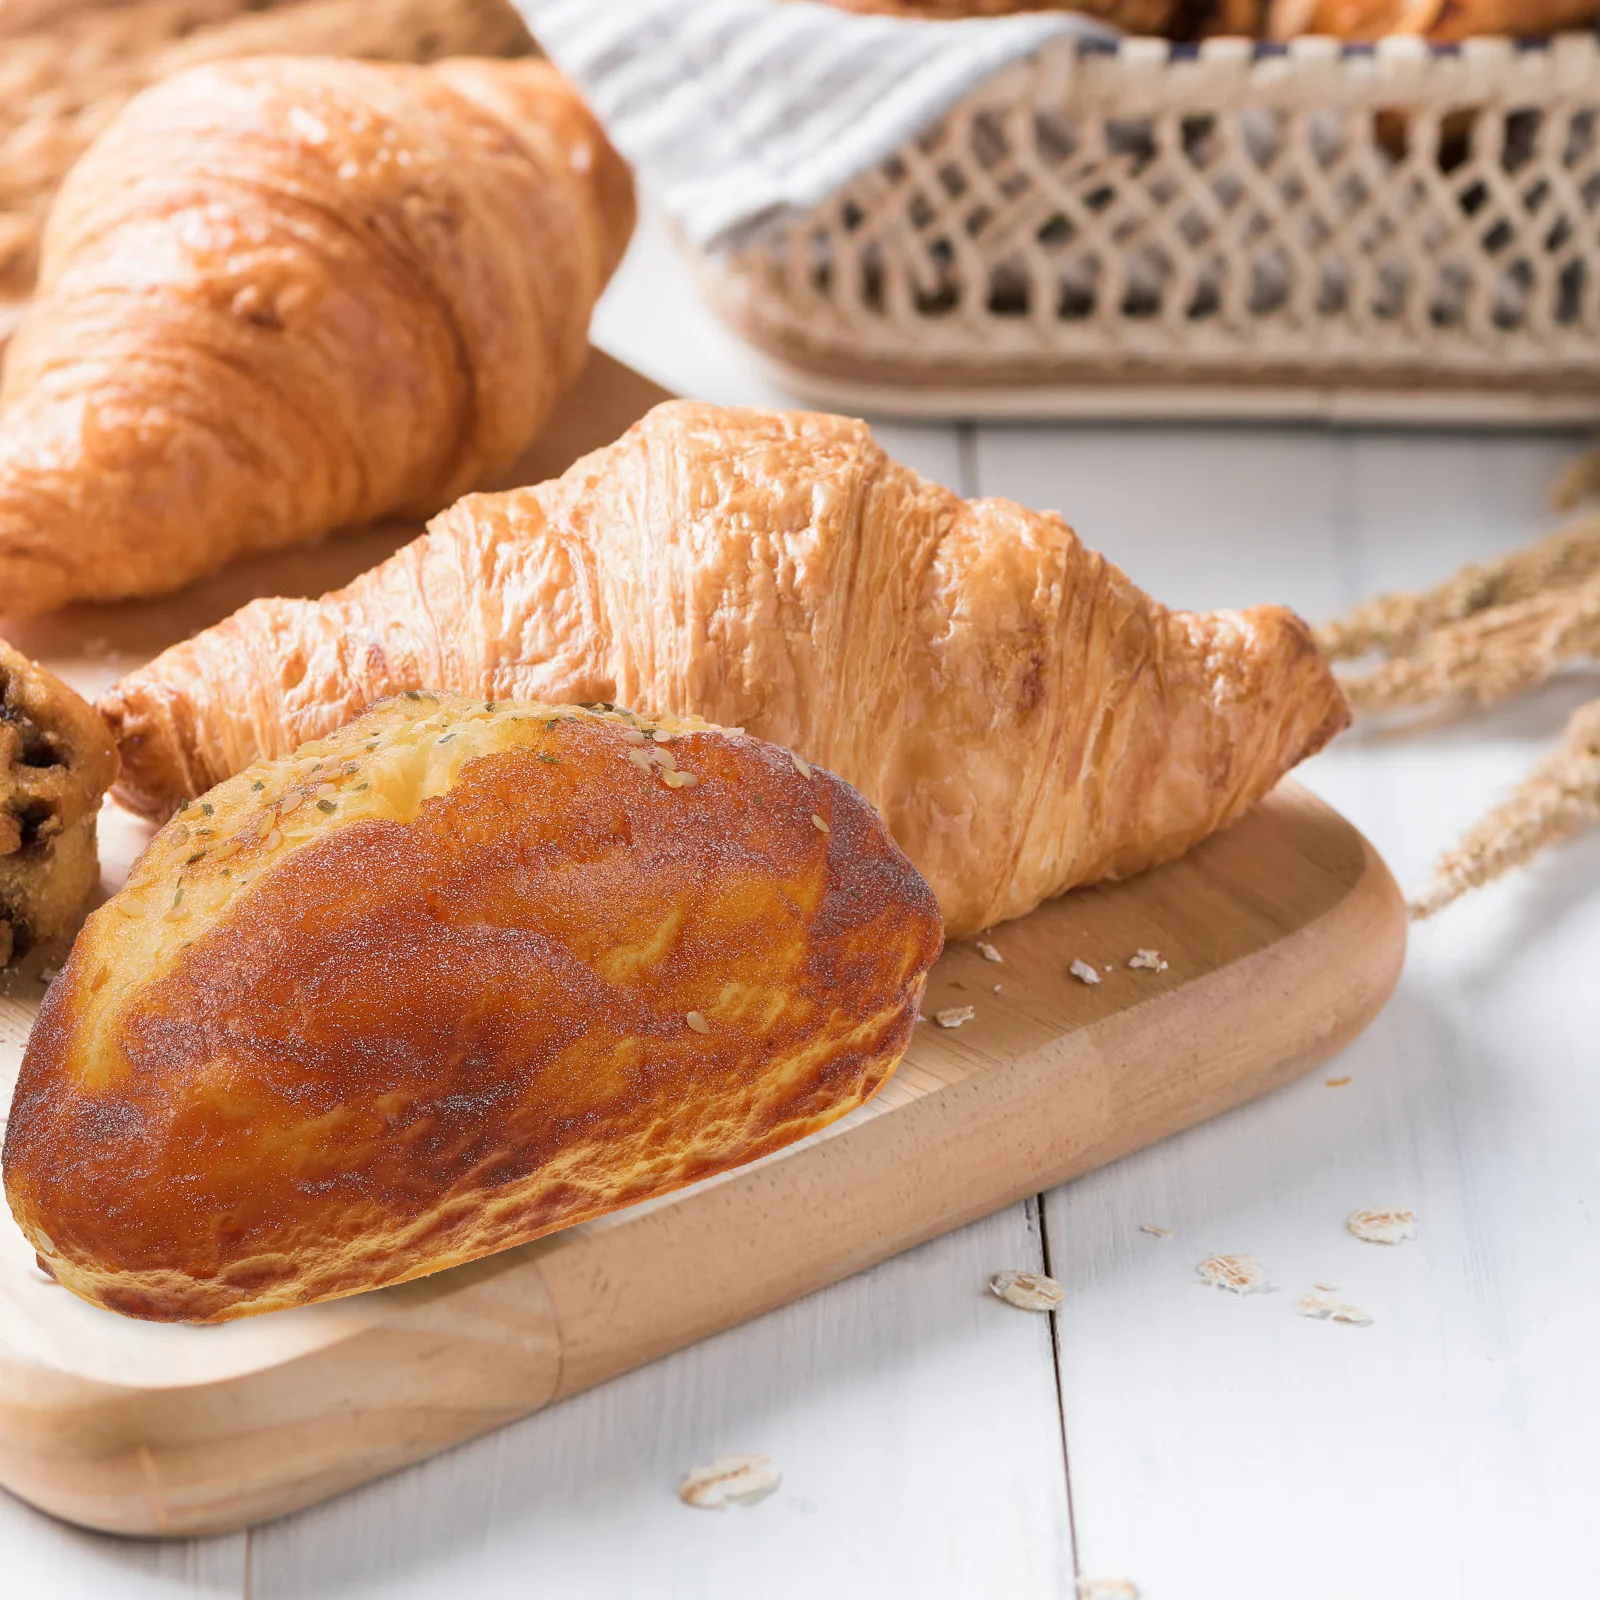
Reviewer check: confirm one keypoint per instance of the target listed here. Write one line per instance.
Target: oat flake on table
(1383, 1226)
(1027, 1291)
(1236, 1274)
(989, 953)
(1326, 1309)
(1083, 972)
(1107, 1589)
(954, 1016)
(729, 1480)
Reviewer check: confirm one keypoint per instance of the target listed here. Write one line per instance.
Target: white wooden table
(933, 1441)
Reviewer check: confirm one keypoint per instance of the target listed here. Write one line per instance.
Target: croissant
(1023, 716)
(461, 974)
(284, 296)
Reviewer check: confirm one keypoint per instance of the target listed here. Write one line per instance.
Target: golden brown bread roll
(285, 296)
(455, 977)
(1024, 717)
(56, 763)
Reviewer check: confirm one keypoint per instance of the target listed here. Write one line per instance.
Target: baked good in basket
(1025, 718)
(1360, 20)
(285, 296)
(1443, 20)
(1177, 19)
(56, 763)
(459, 975)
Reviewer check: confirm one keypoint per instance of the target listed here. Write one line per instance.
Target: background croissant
(68, 66)
(1024, 717)
(1444, 20)
(285, 296)
(1178, 19)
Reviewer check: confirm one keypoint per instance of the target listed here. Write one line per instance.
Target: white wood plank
(912, 1414)
(653, 317)
(1226, 1447)
(42, 1557)
(1200, 517)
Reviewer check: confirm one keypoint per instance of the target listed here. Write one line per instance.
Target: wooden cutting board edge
(442, 1360)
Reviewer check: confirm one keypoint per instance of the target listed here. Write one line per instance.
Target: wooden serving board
(1283, 938)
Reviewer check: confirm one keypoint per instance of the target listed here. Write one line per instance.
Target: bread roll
(459, 975)
(56, 763)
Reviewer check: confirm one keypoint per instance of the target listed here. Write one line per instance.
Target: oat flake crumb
(954, 1016)
(1388, 1226)
(1084, 973)
(1236, 1274)
(1107, 1589)
(1152, 1229)
(729, 1480)
(1027, 1291)
(989, 953)
(1326, 1309)
(1148, 960)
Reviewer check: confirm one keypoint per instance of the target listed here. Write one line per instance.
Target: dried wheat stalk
(1491, 631)
(1397, 623)
(1580, 482)
(1489, 655)
(1561, 797)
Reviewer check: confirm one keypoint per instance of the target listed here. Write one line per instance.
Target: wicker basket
(1398, 231)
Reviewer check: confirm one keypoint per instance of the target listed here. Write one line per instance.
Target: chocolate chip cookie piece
(57, 760)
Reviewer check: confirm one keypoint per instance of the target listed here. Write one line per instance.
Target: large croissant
(1024, 717)
(285, 296)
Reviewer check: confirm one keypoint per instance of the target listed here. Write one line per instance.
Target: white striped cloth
(735, 112)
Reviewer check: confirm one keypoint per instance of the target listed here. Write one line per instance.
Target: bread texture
(1025, 718)
(1359, 20)
(1443, 20)
(286, 296)
(68, 66)
(457, 976)
(56, 763)
(1176, 19)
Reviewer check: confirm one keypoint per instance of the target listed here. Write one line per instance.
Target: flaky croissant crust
(1024, 717)
(285, 296)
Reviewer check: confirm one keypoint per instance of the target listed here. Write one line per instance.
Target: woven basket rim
(1322, 46)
